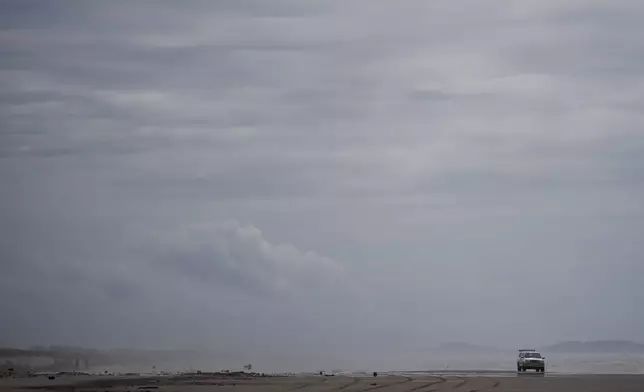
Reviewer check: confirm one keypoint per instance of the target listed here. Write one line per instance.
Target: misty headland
(609, 356)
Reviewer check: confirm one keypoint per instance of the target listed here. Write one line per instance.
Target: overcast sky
(326, 178)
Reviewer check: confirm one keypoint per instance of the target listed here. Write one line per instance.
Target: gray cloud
(229, 254)
(423, 160)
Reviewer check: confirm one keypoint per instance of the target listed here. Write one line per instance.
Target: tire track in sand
(462, 381)
(495, 385)
(406, 380)
(322, 381)
(347, 385)
(429, 384)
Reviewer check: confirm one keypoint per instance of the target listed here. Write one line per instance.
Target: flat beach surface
(530, 382)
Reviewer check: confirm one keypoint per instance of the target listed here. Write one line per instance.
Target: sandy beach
(398, 383)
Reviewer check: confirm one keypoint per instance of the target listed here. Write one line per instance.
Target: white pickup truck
(530, 359)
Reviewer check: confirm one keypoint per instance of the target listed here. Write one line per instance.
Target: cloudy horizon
(313, 177)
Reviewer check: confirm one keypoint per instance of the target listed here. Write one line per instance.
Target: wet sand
(394, 383)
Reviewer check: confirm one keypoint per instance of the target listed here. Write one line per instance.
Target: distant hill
(596, 346)
(71, 358)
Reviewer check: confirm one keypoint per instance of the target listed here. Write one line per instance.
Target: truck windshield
(532, 355)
